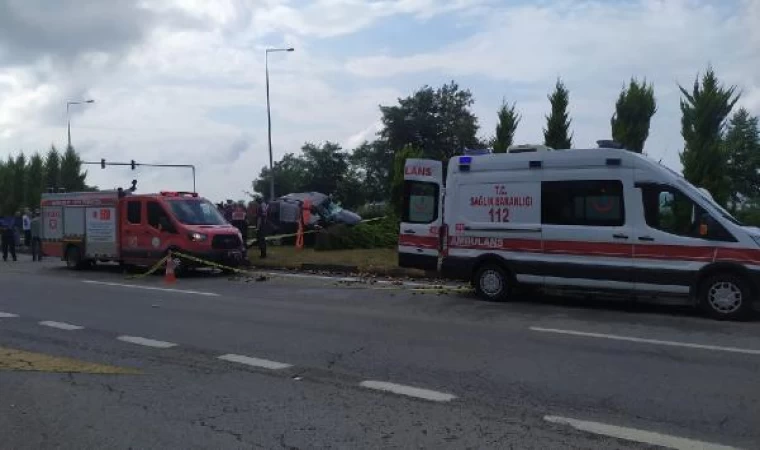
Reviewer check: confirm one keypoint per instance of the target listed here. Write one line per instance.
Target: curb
(339, 269)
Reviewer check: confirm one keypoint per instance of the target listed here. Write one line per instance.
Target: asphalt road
(212, 362)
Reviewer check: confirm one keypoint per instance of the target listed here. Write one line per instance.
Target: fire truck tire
(492, 282)
(73, 258)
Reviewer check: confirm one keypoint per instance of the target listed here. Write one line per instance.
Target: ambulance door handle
(410, 232)
(620, 236)
(646, 238)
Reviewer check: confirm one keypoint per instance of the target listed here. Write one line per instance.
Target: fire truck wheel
(73, 258)
(492, 282)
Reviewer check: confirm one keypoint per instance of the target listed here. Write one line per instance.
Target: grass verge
(377, 261)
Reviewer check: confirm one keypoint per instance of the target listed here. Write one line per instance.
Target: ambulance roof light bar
(609, 143)
(528, 148)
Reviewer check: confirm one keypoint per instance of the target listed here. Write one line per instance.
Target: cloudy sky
(182, 81)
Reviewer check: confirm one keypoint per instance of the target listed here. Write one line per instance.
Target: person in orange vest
(240, 221)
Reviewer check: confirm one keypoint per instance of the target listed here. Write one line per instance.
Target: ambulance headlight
(198, 237)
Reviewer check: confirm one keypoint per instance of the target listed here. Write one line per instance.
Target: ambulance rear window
(587, 203)
(420, 202)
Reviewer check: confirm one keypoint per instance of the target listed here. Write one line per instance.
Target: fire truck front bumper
(231, 258)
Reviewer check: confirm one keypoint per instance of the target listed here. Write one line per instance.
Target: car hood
(347, 217)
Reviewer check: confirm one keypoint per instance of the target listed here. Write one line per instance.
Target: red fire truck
(136, 229)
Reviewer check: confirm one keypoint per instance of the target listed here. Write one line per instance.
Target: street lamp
(68, 119)
(269, 118)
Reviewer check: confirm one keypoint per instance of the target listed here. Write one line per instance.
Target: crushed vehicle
(284, 212)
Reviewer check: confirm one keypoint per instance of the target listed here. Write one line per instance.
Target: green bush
(381, 233)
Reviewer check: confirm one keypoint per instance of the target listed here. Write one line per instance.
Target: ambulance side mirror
(707, 225)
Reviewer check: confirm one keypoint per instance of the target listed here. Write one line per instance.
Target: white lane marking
(255, 362)
(152, 288)
(60, 325)
(146, 342)
(632, 434)
(5, 315)
(425, 394)
(746, 351)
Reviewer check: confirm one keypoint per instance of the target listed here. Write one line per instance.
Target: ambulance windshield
(196, 212)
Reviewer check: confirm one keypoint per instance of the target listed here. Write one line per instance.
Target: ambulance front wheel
(492, 282)
(726, 297)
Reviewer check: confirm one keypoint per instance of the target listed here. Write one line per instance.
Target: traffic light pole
(134, 165)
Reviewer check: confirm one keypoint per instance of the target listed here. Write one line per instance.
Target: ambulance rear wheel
(492, 283)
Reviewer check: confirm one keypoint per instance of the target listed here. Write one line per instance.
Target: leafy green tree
(52, 169)
(290, 176)
(72, 176)
(397, 186)
(372, 163)
(19, 182)
(557, 132)
(505, 129)
(704, 111)
(437, 121)
(326, 166)
(742, 148)
(633, 113)
(35, 173)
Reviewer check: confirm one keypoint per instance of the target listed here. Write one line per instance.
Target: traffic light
(102, 163)
(133, 164)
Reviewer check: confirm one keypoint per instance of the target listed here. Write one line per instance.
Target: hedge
(382, 233)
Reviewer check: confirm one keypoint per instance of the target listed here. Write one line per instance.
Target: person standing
(240, 221)
(36, 241)
(262, 211)
(26, 225)
(8, 237)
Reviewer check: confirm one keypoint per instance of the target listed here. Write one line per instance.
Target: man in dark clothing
(8, 241)
(261, 225)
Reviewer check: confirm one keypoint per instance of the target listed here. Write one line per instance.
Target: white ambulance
(601, 220)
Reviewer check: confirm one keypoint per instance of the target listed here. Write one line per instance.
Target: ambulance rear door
(421, 220)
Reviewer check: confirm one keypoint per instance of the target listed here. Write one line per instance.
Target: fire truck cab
(136, 229)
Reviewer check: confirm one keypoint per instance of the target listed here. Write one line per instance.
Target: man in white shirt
(26, 225)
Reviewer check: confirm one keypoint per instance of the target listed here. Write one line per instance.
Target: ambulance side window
(669, 210)
(589, 202)
(420, 202)
(134, 212)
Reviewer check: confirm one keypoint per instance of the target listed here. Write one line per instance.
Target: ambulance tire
(493, 283)
(726, 296)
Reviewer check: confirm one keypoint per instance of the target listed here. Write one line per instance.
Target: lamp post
(68, 118)
(269, 117)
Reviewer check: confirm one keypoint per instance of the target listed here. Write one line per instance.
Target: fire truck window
(134, 212)
(588, 203)
(420, 202)
(157, 215)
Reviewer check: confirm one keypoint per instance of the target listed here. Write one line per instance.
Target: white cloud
(595, 47)
(191, 89)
